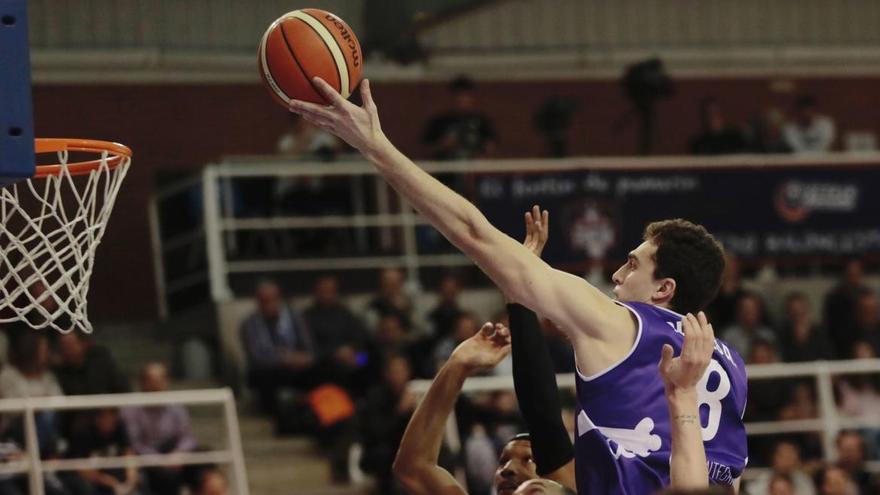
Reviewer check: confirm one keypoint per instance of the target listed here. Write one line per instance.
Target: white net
(49, 230)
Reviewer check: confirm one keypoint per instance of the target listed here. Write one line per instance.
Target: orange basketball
(306, 43)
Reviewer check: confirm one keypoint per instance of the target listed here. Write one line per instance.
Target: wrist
(458, 368)
(681, 397)
(378, 150)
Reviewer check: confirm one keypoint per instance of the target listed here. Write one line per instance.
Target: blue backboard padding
(16, 114)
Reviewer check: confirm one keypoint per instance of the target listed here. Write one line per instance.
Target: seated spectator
(786, 464)
(105, 436)
(834, 480)
(390, 299)
(27, 375)
(279, 347)
(748, 326)
(86, 368)
(767, 133)
(716, 137)
(159, 430)
(840, 309)
(801, 338)
(384, 414)
(463, 132)
(340, 337)
(801, 403)
(851, 456)
(447, 310)
(210, 482)
(867, 319)
(465, 327)
(859, 394)
(722, 310)
(392, 338)
(309, 141)
(810, 131)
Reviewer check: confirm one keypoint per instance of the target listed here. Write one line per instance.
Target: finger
(530, 227)
(502, 330)
(308, 108)
(331, 95)
(545, 222)
(488, 329)
(705, 338)
(665, 358)
(536, 214)
(687, 349)
(367, 96)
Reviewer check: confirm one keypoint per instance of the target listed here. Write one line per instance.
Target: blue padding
(16, 115)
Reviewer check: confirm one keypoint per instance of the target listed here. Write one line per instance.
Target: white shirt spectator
(817, 137)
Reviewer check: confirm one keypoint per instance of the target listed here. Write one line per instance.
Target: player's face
(634, 281)
(515, 467)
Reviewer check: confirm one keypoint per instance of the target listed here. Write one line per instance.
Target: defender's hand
(683, 372)
(357, 126)
(484, 350)
(537, 229)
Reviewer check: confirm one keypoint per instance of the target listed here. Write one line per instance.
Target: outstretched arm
(416, 463)
(680, 377)
(534, 379)
(568, 300)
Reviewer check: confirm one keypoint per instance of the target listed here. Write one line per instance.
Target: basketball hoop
(50, 227)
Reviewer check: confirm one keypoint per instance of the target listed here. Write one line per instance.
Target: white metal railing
(828, 424)
(216, 232)
(34, 466)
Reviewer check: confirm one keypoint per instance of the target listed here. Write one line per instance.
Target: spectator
(279, 347)
(447, 311)
(801, 338)
(463, 132)
(86, 368)
(340, 337)
(767, 133)
(716, 137)
(392, 338)
(748, 325)
(786, 464)
(27, 375)
(834, 480)
(306, 140)
(210, 482)
(783, 485)
(810, 132)
(840, 309)
(851, 459)
(868, 319)
(391, 298)
(801, 403)
(859, 395)
(105, 436)
(465, 327)
(385, 413)
(159, 430)
(722, 310)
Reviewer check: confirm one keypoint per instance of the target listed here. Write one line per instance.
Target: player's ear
(665, 291)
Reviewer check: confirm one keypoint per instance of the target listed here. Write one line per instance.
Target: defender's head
(515, 466)
(678, 266)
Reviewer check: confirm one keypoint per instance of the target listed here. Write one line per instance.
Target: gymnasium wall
(174, 128)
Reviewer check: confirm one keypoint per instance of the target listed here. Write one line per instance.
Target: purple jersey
(623, 431)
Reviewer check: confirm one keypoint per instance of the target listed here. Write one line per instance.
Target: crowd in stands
(368, 358)
(45, 364)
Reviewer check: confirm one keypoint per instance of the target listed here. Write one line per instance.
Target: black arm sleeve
(535, 384)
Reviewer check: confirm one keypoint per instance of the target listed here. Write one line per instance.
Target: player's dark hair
(524, 437)
(689, 254)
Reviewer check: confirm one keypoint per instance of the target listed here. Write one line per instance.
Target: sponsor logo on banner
(796, 200)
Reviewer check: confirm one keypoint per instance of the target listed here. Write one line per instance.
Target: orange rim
(116, 155)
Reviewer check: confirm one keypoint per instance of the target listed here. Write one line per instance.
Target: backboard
(16, 118)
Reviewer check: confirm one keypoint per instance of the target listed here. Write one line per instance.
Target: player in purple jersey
(675, 271)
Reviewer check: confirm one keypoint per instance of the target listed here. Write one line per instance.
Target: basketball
(306, 43)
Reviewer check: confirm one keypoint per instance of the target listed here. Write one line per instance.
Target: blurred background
(756, 118)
